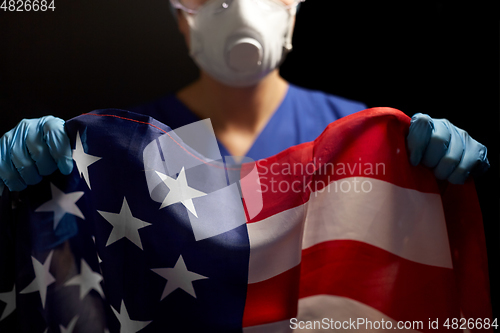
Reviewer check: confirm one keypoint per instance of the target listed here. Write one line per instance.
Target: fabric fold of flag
(150, 235)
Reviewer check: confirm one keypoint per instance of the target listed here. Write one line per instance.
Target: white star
(61, 204)
(180, 191)
(98, 258)
(178, 277)
(83, 160)
(10, 299)
(124, 225)
(126, 324)
(87, 280)
(71, 326)
(42, 280)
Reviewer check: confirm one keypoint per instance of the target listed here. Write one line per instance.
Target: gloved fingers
(20, 156)
(38, 149)
(421, 128)
(482, 166)
(454, 155)
(474, 160)
(438, 144)
(34, 147)
(57, 140)
(49, 146)
(8, 173)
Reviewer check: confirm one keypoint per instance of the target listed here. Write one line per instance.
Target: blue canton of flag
(161, 246)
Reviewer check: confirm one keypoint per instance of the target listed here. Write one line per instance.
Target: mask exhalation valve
(244, 55)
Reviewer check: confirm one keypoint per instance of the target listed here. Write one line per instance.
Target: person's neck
(238, 115)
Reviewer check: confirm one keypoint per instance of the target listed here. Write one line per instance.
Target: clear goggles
(194, 6)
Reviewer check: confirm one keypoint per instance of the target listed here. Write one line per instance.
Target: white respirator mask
(239, 42)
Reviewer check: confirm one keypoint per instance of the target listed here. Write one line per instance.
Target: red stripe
(124, 118)
(468, 248)
(356, 146)
(272, 300)
(401, 289)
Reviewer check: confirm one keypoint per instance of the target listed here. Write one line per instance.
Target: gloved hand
(34, 148)
(450, 151)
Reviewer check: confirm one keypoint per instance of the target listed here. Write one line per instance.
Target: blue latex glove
(450, 151)
(32, 149)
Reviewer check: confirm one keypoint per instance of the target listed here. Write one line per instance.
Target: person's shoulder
(320, 101)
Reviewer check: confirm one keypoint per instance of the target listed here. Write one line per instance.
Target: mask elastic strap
(288, 38)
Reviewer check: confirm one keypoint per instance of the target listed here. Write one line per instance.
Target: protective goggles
(194, 6)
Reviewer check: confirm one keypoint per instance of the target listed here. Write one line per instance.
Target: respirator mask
(238, 42)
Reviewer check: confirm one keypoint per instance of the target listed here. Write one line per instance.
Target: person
(238, 46)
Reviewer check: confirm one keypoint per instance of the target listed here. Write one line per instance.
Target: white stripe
(329, 311)
(326, 311)
(405, 222)
(276, 327)
(275, 244)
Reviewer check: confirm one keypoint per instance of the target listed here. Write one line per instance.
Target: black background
(435, 57)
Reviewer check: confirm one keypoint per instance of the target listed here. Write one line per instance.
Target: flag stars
(9, 298)
(86, 280)
(83, 160)
(125, 225)
(180, 191)
(42, 280)
(128, 325)
(61, 204)
(178, 277)
(70, 327)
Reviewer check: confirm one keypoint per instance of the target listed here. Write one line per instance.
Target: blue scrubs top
(301, 117)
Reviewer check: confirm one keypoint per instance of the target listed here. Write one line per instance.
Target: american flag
(149, 235)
